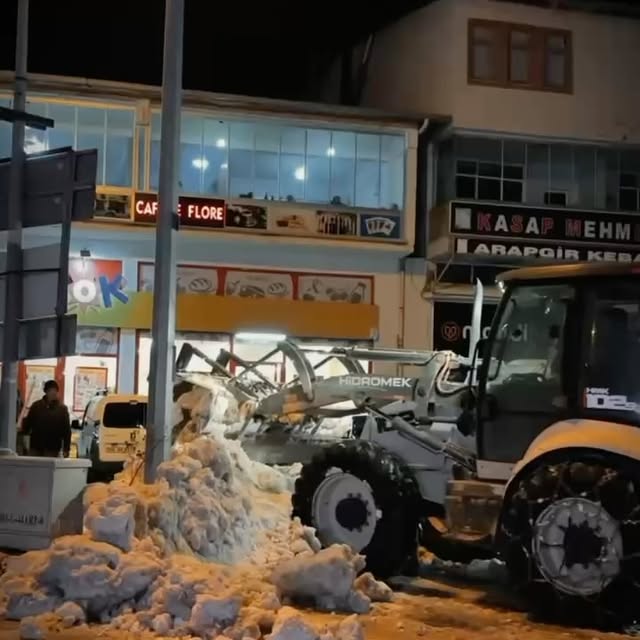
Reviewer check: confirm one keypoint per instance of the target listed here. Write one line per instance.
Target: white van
(112, 430)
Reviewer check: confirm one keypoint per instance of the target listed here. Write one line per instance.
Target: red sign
(194, 212)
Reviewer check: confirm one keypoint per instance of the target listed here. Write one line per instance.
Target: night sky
(267, 48)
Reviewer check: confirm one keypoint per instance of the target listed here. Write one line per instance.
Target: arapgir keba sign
(519, 232)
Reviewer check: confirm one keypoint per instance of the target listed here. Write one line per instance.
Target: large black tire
(393, 548)
(613, 483)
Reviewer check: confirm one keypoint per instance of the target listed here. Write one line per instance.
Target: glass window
(154, 169)
(367, 170)
(241, 160)
(520, 57)
(293, 172)
(537, 173)
(63, 133)
(110, 131)
(269, 161)
(91, 135)
(35, 140)
(484, 54)
(209, 344)
(584, 194)
(556, 61)
(142, 160)
(215, 152)
(615, 348)
(266, 161)
(118, 157)
(343, 165)
(319, 154)
(192, 161)
(5, 131)
(392, 172)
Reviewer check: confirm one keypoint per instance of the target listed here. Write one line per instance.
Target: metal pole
(164, 296)
(13, 280)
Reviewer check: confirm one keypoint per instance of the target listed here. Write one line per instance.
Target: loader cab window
(612, 381)
(524, 389)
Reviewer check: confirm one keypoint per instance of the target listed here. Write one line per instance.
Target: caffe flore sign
(517, 232)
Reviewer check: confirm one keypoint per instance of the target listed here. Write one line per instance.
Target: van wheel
(571, 539)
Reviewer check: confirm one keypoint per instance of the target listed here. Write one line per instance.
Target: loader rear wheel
(356, 493)
(571, 539)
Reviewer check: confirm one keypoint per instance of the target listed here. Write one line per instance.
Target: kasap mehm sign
(95, 284)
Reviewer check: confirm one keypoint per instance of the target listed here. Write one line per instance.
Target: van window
(124, 414)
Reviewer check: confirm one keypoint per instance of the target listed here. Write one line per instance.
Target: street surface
(439, 609)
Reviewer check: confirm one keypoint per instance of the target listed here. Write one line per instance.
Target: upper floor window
(271, 161)
(109, 130)
(519, 56)
(556, 174)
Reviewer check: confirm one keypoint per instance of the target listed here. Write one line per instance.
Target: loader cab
(565, 343)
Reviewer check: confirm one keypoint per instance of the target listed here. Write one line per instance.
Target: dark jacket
(49, 426)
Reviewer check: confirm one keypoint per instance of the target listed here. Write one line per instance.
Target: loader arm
(360, 389)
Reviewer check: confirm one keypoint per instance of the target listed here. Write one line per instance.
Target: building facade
(540, 161)
(295, 220)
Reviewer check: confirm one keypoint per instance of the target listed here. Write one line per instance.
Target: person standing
(48, 424)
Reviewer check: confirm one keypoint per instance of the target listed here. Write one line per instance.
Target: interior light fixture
(224, 166)
(33, 145)
(331, 151)
(221, 143)
(299, 173)
(260, 337)
(200, 163)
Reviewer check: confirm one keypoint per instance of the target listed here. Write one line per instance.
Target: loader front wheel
(356, 493)
(571, 539)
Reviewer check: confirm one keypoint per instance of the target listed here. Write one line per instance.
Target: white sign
(377, 381)
(599, 398)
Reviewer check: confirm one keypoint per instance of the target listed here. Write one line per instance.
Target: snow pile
(208, 549)
(210, 500)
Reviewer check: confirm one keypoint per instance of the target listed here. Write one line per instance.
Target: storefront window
(93, 369)
(316, 354)
(209, 344)
(5, 132)
(251, 349)
(265, 160)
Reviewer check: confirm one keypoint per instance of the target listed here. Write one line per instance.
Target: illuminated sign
(194, 212)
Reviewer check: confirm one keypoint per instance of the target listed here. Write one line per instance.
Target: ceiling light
(299, 173)
(33, 145)
(200, 163)
(224, 165)
(221, 143)
(331, 151)
(260, 337)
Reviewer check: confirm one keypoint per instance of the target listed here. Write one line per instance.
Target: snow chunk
(375, 590)
(212, 612)
(31, 628)
(326, 579)
(70, 614)
(350, 629)
(289, 625)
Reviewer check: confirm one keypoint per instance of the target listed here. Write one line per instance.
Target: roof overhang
(96, 89)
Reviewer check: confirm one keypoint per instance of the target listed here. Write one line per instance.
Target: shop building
(540, 161)
(295, 220)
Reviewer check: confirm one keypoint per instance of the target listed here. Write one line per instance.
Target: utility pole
(13, 286)
(164, 296)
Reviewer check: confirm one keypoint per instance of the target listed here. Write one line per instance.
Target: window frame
(502, 50)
